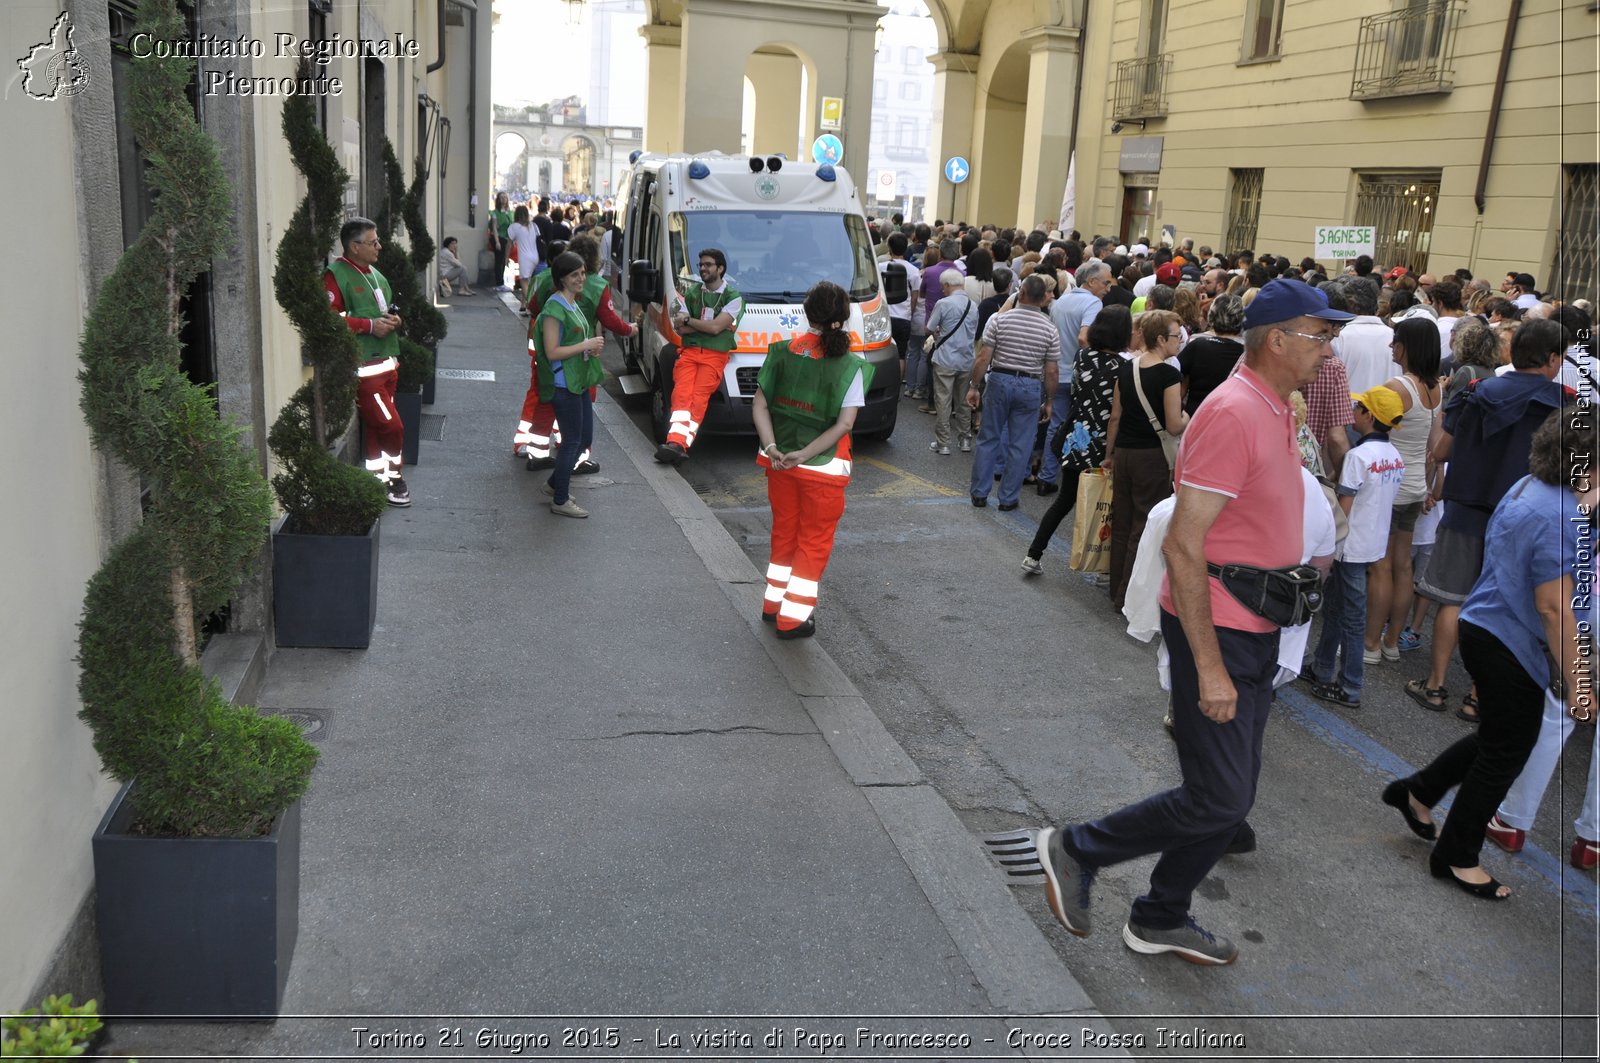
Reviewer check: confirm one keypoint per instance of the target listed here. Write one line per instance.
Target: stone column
(778, 117)
(710, 82)
(1046, 144)
(955, 97)
(663, 120)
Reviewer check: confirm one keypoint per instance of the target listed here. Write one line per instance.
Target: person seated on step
(451, 272)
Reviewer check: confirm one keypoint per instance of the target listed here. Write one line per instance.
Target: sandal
(1489, 891)
(1419, 691)
(1468, 701)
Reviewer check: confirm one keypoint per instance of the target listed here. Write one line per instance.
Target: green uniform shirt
(805, 393)
(582, 371)
(358, 291)
(698, 300)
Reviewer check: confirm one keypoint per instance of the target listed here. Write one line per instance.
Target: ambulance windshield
(777, 255)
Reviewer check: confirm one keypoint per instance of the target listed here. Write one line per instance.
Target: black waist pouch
(1286, 596)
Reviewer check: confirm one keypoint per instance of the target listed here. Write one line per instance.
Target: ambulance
(783, 226)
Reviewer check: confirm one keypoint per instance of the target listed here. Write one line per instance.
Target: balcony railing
(1407, 53)
(1142, 87)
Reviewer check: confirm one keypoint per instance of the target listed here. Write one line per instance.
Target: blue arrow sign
(956, 170)
(827, 149)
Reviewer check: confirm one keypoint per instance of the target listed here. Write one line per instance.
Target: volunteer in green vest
(362, 296)
(807, 395)
(500, 238)
(707, 319)
(567, 361)
(535, 428)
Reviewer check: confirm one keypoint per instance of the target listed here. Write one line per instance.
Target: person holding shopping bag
(807, 396)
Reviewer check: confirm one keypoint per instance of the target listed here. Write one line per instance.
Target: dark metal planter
(199, 927)
(324, 588)
(430, 387)
(408, 404)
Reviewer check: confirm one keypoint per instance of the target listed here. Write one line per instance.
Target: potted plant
(197, 860)
(325, 551)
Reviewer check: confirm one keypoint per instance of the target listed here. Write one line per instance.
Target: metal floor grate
(1017, 853)
(432, 427)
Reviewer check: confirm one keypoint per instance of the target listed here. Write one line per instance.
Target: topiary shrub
(322, 495)
(63, 1031)
(423, 323)
(205, 767)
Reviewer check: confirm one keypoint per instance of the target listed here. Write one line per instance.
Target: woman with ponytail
(807, 396)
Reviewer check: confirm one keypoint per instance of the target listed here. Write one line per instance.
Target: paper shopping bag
(1091, 523)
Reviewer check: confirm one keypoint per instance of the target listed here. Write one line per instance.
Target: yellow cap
(1383, 403)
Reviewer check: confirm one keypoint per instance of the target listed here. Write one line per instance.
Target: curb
(1017, 968)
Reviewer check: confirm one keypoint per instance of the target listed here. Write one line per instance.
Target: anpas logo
(53, 68)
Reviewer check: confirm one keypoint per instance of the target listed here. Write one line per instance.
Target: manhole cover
(313, 723)
(432, 427)
(467, 374)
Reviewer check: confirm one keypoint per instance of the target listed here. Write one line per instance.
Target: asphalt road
(1025, 703)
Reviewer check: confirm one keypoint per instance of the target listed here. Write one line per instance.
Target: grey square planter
(199, 927)
(324, 588)
(408, 404)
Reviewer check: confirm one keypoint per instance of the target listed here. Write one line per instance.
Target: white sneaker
(939, 448)
(966, 444)
(1031, 566)
(569, 508)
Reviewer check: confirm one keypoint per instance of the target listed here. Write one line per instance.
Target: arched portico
(783, 80)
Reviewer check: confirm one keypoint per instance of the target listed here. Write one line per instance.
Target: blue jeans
(1010, 404)
(1344, 627)
(1191, 826)
(575, 415)
(1060, 412)
(918, 365)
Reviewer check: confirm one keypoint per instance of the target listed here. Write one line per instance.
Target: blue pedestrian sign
(956, 170)
(827, 149)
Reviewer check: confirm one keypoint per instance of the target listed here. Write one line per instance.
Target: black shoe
(1398, 795)
(535, 464)
(1046, 489)
(398, 494)
(768, 618)
(671, 453)
(804, 631)
(980, 502)
(1336, 694)
(1489, 891)
(1007, 507)
(1244, 841)
(584, 468)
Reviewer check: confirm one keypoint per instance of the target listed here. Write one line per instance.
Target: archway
(999, 134)
(510, 166)
(779, 99)
(578, 174)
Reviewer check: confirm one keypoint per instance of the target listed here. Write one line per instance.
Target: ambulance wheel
(661, 396)
(888, 429)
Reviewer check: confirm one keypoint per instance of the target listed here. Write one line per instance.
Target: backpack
(895, 292)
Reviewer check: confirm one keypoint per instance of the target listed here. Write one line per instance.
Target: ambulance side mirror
(644, 282)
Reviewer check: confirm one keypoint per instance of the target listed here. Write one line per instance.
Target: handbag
(1287, 597)
(1169, 442)
(1091, 524)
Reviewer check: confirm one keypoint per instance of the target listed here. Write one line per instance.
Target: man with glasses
(707, 319)
(362, 296)
(1240, 501)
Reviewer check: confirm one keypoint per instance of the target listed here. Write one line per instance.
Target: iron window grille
(1407, 52)
(1400, 207)
(1244, 209)
(1573, 273)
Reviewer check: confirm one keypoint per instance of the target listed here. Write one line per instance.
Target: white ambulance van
(783, 226)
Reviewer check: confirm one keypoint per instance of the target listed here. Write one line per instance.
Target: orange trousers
(806, 507)
(695, 378)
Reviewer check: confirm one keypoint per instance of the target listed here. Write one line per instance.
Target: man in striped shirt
(1019, 352)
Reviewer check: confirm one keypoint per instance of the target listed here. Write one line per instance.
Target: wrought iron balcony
(1407, 53)
(1142, 87)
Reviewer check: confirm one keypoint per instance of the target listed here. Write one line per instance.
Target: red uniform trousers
(696, 376)
(382, 429)
(806, 507)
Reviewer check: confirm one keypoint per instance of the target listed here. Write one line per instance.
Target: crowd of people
(1393, 443)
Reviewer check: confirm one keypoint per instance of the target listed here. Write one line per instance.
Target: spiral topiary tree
(322, 495)
(424, 325)
(204, 767)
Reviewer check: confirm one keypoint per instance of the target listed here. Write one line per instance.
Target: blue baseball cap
(1285, 300)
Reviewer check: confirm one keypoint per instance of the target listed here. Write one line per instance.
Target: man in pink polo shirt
(1239, 502)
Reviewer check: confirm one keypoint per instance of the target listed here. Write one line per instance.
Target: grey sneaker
(1191, 942)
(938, 447)
(1031, 566)
(548, 488)
(966, 444)
(1066, 883)
(569, 508)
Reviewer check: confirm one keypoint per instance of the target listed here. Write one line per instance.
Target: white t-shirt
(901, 311)
(1372, 474)
(526, 237)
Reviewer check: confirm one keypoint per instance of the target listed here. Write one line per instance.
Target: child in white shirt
(1368, 485)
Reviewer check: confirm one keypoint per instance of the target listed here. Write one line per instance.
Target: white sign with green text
(1335, 242)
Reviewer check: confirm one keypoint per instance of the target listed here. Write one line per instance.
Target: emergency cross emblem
(767, 186)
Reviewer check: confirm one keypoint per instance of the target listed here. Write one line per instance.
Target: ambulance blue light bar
(825, 172)
(698, 170)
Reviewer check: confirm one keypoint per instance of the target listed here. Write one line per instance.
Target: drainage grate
(467, 374)
(313, 723)
(1017, 853)
(432, 427)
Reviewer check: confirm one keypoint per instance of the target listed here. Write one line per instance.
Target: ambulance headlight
(875, 325)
